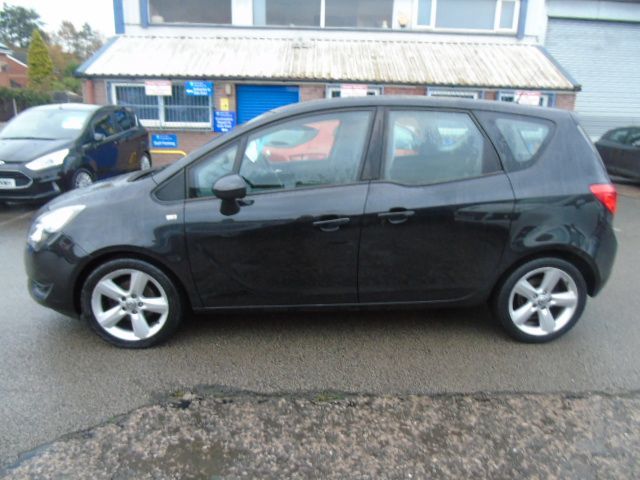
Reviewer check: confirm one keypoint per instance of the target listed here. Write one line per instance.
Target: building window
(338, 91)
(287, 13)
(532, 98)
(448, 93)
(482, 15)
(190, 11)
(359, 13)
(176, 111)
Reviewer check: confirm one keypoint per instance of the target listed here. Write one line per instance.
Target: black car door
(610, 147)
(294, 239)
(437, 220)
(630, 152)
(103, 148)
(129, 141)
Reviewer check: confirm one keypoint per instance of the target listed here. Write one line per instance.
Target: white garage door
(604, 57)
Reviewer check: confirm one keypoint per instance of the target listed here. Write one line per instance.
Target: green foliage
(80, 43)
(17, 25)
(24, 97)
(40, 64)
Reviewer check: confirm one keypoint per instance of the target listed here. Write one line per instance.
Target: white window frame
(454, 93)
(546, 97)
(162, 123)
(496, 19)
(371, 89)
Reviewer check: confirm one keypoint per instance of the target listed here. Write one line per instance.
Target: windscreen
(46, 125)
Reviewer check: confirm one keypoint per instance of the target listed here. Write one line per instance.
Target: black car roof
(418, 101)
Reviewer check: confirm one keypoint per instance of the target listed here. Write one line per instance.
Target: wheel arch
(588, 271)
(119, 254)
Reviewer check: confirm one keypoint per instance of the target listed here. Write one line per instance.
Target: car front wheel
(131, 303)
(541, 300)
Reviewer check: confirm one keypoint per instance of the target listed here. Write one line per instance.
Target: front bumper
(53, 272)
(29, 185)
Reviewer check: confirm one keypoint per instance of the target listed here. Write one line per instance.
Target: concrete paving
(356, 437)
(57, 377)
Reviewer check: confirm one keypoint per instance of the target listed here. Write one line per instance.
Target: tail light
(606, 193)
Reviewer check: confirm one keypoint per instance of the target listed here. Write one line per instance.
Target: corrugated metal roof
(496, 65)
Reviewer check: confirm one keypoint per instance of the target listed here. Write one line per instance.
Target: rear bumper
(604, 257)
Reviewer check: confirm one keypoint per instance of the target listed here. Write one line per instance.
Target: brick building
(196, 67)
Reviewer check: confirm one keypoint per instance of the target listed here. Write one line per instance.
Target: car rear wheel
(145, 162)
(541, 300)
(82, 178)
(131, 303)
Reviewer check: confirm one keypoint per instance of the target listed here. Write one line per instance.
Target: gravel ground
(213, 435)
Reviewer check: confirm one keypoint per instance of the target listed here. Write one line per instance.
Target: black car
(620, 151)
(346, 202)
(50, 149)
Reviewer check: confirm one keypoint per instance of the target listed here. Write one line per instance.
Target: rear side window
(427, 147)
(618, 136)
(519, 138)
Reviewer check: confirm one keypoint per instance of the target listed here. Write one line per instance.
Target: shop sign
(223, 121)
(157, 88)
(166, 140)
(199, 89)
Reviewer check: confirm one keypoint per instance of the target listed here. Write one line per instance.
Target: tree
(40, 64)
(80, 43)
(17, 24)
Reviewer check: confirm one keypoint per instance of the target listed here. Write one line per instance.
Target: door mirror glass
(231, 187)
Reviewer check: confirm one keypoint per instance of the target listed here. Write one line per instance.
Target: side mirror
(230, 187)
(99, 137)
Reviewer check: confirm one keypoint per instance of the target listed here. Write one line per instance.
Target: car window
(617, 136)
(426, 147)
(634, 138)
(124, 119)
(524, 137)
(106, 125)
(314, 150)
(205, 172)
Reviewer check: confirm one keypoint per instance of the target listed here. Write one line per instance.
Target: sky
(97, 13)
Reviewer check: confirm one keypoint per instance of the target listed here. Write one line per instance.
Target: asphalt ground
(57, 377)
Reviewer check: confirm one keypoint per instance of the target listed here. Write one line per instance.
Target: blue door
(254, 100)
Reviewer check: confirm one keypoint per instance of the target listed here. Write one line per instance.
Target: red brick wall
(98, 92)
(488, 95)
(566, 101)
(312, 92)
(219, 92)
(13, 71)
(405, 90)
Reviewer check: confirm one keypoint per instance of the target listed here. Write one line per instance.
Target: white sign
(157, 88)
(353, 91)
(525, 97)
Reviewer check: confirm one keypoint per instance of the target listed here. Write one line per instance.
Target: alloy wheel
(543, 301)
(82, 179)
(130, 305)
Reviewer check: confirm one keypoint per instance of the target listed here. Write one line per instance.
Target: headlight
(50, 223)
(54, 159)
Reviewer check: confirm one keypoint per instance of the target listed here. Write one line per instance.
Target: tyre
(131, 303)
(541, 300)
(82, 178)
(145, 162)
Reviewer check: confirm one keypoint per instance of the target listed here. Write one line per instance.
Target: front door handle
(396, 216)
(331, 225)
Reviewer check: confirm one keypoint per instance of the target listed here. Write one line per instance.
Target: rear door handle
(396, 216)
(332, 224)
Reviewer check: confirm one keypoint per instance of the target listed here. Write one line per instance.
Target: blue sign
(224, 121)
(164, 141)
(199, 89)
